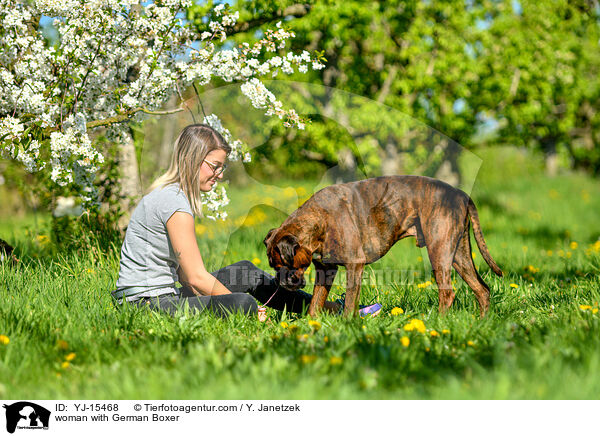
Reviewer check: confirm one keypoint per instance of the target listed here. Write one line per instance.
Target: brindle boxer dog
(354, 224)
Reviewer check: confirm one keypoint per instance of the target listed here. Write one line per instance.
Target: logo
(26, 415)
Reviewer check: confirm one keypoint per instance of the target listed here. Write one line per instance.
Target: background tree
(528, 70)
(410, 56)
(540, 63)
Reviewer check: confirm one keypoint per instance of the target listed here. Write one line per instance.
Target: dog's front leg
(354, 274)
(324, 276)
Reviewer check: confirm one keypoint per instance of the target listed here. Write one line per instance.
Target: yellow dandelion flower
(470, 343)
(446, 332)
(201, 229)
(256, 261)
(62, 344)
(284, 324)
(65, 365)
(405, 341)
(397, 311)
(308, 358)
(415, 324)
(514, 285)
(70, 357)
(549, 253)
(4, 340)
(43, 239)
(433, 333)
(325, 339)
(289, 192)
(595, 310)
(335, 360)
(585, 195)
(585, 307)
(314, 324)
(573, 245)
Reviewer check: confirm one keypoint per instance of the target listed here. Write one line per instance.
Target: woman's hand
(262, 313)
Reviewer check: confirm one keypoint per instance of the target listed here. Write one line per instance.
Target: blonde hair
(191, 147)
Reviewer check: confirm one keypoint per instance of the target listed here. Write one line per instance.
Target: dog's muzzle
(288, 278)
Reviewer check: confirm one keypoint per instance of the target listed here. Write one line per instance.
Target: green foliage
(539, 76)
(450, 65)
(404, 65)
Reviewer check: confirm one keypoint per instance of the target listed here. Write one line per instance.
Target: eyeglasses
(216, 169)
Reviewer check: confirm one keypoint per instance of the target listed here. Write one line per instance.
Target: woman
(160, 245)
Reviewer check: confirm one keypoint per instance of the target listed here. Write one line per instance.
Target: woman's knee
(245, 264)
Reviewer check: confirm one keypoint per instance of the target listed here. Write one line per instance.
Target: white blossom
(112, 58)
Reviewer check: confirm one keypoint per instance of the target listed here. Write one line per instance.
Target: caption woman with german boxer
(160, 246)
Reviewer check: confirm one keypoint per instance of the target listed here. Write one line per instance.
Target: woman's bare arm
(192, 272)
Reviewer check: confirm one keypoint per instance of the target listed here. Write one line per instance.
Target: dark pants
(247, 284)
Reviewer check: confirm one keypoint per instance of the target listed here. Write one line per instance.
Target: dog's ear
(268, 236)
(287, 247)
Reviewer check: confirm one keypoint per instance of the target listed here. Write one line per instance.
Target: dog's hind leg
(441, 253)
(463, 264)
(354, 274)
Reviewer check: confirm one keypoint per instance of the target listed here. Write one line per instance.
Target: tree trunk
(551, 157)
(391, 162)
(129, 182)
(449, 171)
(166, 144)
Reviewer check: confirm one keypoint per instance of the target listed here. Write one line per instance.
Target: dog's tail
(479, 238)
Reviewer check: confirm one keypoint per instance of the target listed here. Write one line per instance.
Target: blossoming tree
(114, 62)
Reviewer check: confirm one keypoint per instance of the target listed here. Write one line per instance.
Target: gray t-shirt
(148, 263)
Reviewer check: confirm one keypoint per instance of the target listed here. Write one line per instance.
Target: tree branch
(387, 83)
(298, 10)
(126, 116)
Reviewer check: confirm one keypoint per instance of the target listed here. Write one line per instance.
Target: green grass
(537, 342)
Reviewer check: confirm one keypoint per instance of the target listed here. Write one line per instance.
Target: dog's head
(288, 258)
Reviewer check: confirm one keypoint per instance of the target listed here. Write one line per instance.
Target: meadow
(62, 337)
